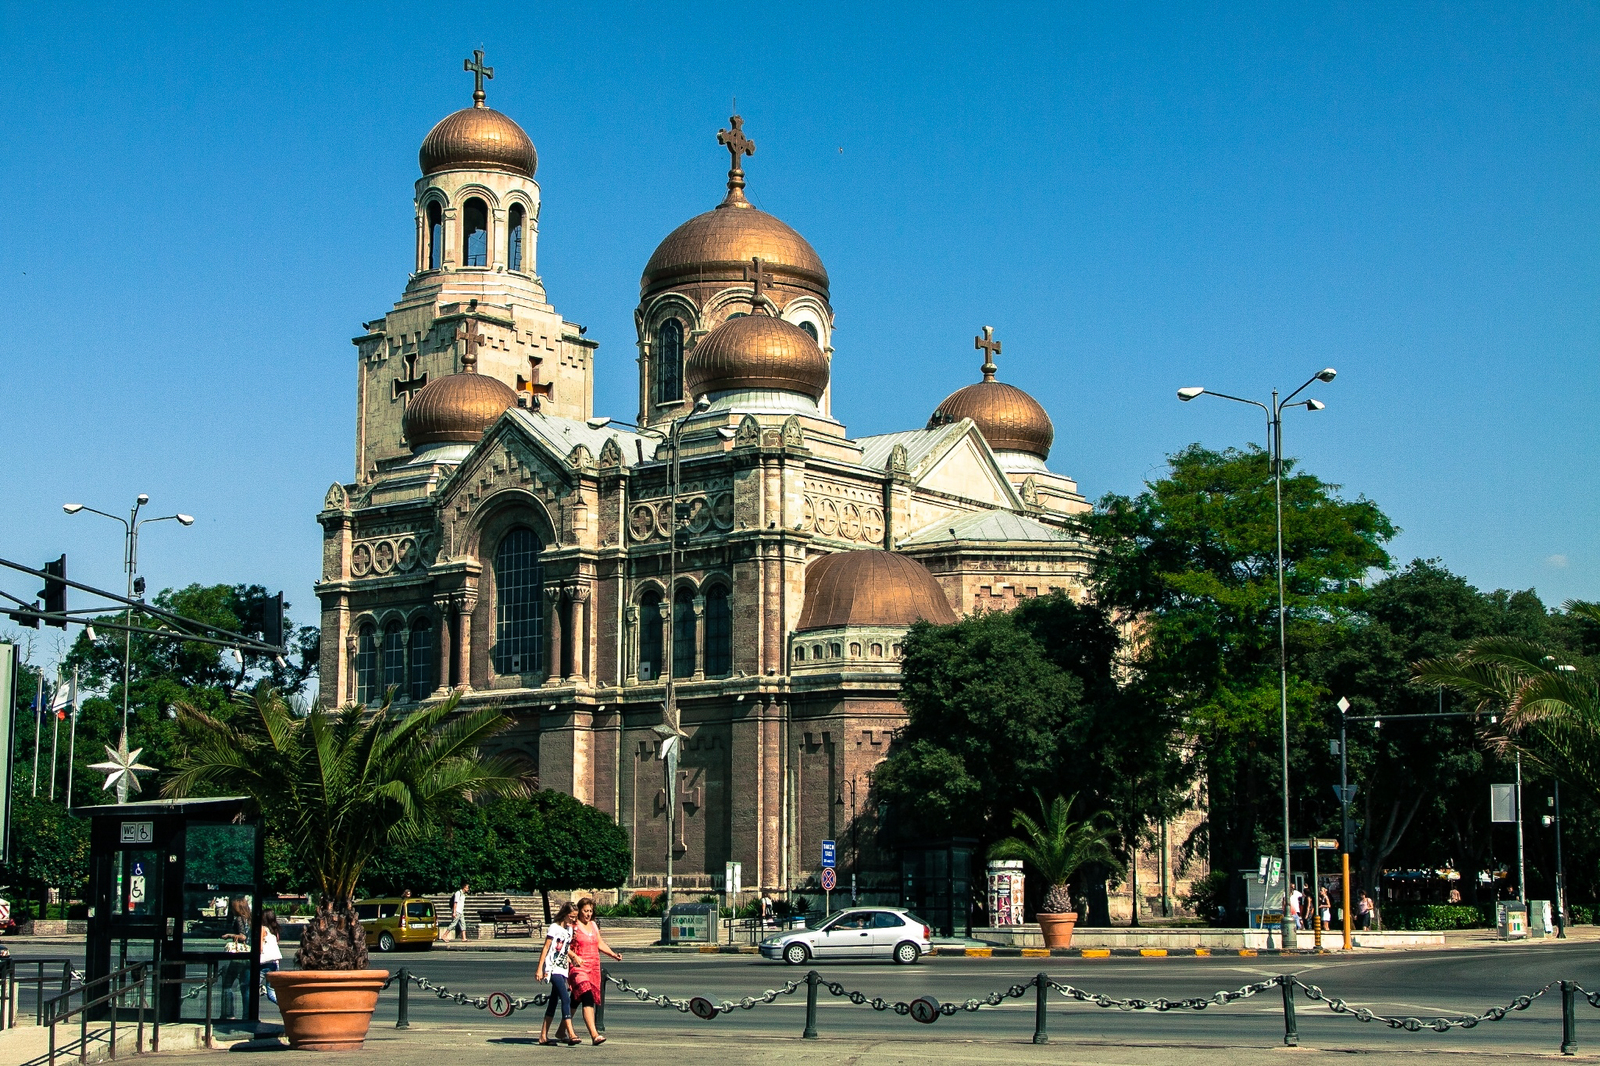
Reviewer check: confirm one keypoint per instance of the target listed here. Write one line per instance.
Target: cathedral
(731, 568)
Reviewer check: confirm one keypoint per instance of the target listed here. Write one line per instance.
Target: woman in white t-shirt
(555, 962)
(271, 951)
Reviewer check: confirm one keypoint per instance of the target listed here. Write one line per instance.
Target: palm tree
(1057, 847)
(1546, 709)
(337, 786)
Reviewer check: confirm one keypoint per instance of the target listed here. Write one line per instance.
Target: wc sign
(138, 832)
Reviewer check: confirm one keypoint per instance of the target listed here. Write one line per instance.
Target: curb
(1107, 953)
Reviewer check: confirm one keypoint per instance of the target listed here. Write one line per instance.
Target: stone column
(699, 605)
(403, 692)
(552, 636)
(579, 594)
(464, 602)
(441, 607)
(630, 643)
(352, 647)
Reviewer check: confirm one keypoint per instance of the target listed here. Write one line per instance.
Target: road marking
(1036, 953)
(1096, 953)
(1153, 953)
(978, 953)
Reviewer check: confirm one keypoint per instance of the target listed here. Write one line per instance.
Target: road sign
(1323, 844)
(1345, 795)
(1502, 803)
(1261, 874)
(732, 876)
(830, 879)
(1275, 871)
(1343, 705)
(501, 1005)
(829, 854)
(925, 1009)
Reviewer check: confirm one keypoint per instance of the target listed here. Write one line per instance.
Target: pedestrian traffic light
(54, 592)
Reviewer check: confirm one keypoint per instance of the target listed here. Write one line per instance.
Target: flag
(62, 699)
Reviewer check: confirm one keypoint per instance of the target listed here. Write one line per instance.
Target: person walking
(1325, 907)
(1297, 903)
(1364, 911)
(271, 951)
(235, 976)
(555, 965)
(588, 946)
(458, 912)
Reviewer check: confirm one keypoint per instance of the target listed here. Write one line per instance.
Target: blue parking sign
(828, 854)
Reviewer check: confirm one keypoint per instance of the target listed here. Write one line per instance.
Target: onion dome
(757, 352)
(871, 588)
(718, 245)
(478, 137)
(457, 408)
(1009, 419)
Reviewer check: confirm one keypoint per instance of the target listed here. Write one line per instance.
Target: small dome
(456, 409)
(871, 588)
(757, 352)
(478, 138)
(718, 246)
(1009, 419)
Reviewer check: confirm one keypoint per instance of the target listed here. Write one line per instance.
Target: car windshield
(849, 920)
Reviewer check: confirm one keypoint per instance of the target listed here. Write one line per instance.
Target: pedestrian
(1325, 907)
(1297, 901)
(766, 911)
(458, 912)
(588, 946)
(271, 951)
(1364, 911)
(235, 975)
(555, 963)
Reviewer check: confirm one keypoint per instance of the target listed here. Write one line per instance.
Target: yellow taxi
(394, 922)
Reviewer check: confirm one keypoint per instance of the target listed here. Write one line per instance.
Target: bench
(504, 923)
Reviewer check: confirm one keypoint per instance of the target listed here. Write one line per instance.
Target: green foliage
(1208, 898)
(1434, 917)
(1057, 847)
(639, 905)
(49, 847)
(338, 786)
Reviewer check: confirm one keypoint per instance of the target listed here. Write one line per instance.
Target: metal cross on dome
(122, 764)
(467, 333)
(738, 145)
(475, 67)
(990, 348)
(757, 274)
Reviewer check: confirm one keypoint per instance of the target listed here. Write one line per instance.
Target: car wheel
(796, 954)
(385, 942)
(906, 952)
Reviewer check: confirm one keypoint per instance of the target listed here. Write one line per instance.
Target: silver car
(858, 933)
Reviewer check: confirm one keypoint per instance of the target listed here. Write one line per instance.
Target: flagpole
(72, 736)
(55, 739)
(38, 728)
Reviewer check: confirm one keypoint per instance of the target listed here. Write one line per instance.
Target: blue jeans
(559, 992)
(266, 986)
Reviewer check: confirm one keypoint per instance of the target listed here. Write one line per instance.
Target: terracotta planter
(1057, 928)
(327, 1010)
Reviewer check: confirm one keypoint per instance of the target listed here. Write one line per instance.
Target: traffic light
(272, 621)
(54, 592)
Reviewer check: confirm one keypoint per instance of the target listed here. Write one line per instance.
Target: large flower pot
(327, 1010)
(1057, 928)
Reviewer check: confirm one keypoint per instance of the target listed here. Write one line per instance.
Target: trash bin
(1511, 918)
(690, 923)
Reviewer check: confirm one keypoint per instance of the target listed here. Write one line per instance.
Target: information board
(829, 854)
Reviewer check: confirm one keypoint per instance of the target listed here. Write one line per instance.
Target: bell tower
(476, 260)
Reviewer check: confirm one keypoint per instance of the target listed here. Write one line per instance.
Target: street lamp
(130, 562)
(670, 727)
(1274, 414)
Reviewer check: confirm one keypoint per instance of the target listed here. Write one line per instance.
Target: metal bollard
(1569, 1018)
(600, 1001)
(1291, 1028)
(812, 980)
(404, 1020)
(1041, 1031)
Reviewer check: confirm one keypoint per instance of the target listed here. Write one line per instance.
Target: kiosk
(175, 883)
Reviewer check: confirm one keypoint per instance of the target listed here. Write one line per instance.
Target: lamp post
(1274, 414)
(669, 729)
(130, 562)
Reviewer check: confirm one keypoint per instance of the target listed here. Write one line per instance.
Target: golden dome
(456, 409)
(757, 352)
(1009, 419)
(871, 588)
(718, 245)
(478, 138)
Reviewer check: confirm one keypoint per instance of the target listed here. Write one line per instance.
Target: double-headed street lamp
(1274, 413)
(130, 562)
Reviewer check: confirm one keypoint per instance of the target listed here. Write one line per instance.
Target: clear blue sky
(203, 204)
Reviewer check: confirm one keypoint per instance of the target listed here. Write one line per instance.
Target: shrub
(1434, 917)
(1209, 899)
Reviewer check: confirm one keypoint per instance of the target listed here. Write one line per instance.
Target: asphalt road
(1418, 984)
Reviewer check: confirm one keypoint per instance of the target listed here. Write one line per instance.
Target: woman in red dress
(587, 947)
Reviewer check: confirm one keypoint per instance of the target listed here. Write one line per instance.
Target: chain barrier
(1193, 1003)
(993, 999)
(497, 999)
(700, 1006)
(1416, 1025)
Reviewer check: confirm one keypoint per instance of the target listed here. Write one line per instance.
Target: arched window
(669, 361)
(367, 664)
(816, 651)
(394, 659)
(877, 651)
(475, 233)
(650, 637)
(435, 257)
(719, 633)
(421, 658)
(799, 654)
(835, 651)
(855, 650)
(518, 602)
(811, 328)
(514, 229)
(683, 633)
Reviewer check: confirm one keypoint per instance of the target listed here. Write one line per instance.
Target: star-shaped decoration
(122, 765)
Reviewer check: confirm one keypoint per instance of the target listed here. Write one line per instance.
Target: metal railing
(119, 984)
(11, 980)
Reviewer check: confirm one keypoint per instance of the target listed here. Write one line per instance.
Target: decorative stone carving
(827, 516)
(611, 453)
(722, 510)
(793, 435)
(361, 560)
(336, 499)
(748, 434)
(871, 525)
(899, 460)
(642, 521)
(808, 515)
(699, 515)
(383, 556)
(1030, 491)
(580, 457)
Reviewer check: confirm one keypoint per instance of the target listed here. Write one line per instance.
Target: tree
(1057, 848)
(1193, 559)
(338, 786)
(576, 846)
(49, 847)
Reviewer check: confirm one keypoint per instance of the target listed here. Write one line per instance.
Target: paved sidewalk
(427, 1046)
